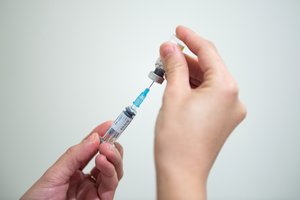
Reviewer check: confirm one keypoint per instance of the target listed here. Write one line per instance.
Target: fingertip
(167, 49)
(112, 153)
(104, 147)
(107, 150)
(102, 128)
(175, 66)
(181, 31)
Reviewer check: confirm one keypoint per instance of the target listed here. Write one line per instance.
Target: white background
(66, 66)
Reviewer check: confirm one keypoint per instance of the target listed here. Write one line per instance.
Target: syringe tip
(139, 100)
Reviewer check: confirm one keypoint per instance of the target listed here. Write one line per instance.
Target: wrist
(175, 183)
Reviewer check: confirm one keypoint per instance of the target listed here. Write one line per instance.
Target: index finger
(207, 54)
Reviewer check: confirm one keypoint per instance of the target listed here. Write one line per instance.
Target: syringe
(124, 119)
(126, 116)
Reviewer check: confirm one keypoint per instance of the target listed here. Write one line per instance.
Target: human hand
(65, 179)
(200, 109)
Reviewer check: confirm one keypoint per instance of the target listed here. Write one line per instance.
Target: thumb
(175, 65)
(75, 158)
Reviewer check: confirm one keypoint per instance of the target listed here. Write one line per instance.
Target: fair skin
(200, 109)
(66, 180)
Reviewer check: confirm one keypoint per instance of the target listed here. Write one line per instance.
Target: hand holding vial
(200, 109)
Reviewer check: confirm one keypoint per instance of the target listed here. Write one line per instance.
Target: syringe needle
(150, 85)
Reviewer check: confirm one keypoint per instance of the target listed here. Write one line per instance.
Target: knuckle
(231, 89)
(120, 176)
(71, 150)
(210, 44)
(115, 183)
(242, 112)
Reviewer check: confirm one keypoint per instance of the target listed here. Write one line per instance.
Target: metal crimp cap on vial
(153, 76)
(158, 74)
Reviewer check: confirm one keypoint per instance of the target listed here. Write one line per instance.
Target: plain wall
(66, 66)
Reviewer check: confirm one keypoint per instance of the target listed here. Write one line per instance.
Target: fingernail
(107, 146)
(167, 49)
(112, 147)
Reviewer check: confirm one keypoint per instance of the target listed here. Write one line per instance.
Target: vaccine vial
(158, 74)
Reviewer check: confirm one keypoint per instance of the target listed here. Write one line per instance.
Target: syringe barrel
(119, 125)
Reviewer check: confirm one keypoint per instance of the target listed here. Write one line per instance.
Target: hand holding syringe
(126, 116)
